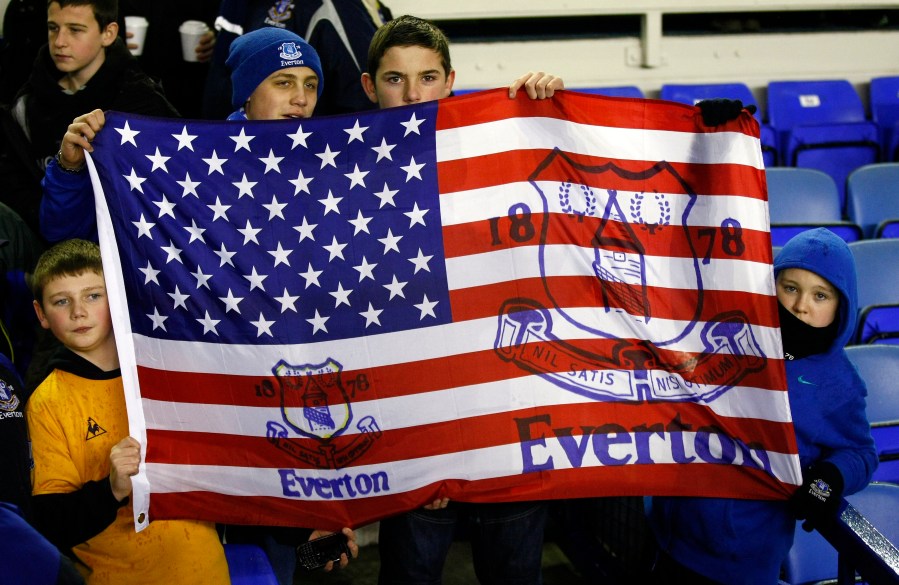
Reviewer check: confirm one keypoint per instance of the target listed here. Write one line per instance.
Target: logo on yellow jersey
(94, 429)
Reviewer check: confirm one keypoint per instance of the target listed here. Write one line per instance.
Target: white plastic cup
(137, 26)
(191, 33)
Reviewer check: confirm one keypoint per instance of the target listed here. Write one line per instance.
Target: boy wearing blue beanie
(275, 74)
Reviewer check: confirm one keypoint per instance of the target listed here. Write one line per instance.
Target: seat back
(804, 103)
(872, 196)
(877, 322)
(884, 99)
(836, 149)
(887, 229)
(802, 196)
(878, 271)
(617, 91)
(811, 103)
(878, 365)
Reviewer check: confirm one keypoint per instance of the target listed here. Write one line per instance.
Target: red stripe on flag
(478, 172)
(581, 108)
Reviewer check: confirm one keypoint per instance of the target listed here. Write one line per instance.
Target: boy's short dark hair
(408, 31)
(105, 11)
(68, 258)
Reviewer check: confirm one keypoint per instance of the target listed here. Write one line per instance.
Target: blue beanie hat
(256, 55)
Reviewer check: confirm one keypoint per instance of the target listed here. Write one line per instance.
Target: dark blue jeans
(506, 543)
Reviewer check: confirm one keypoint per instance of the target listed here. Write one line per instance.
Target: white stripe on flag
(599, 141)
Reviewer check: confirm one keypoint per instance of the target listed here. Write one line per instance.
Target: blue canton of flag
(278, 232)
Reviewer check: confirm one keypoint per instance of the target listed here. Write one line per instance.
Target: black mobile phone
(316, 553)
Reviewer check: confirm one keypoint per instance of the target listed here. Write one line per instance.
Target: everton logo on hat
(290, 52)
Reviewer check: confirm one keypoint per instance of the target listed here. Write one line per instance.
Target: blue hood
(827, 255)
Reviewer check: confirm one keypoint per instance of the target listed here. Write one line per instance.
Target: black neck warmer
(801, 339)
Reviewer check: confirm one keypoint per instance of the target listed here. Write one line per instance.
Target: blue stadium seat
(248, 565)
(872, 196)
(878, 365)
(812, 559)
(822, 125)
(885, 113)
(878, 271)
(802, 196)
(887, 229)
(878, 323)
(687, 93)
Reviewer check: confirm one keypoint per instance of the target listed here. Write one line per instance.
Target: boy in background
(84, 65)
(84, 457)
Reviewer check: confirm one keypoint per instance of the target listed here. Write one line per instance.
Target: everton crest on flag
(328, 321)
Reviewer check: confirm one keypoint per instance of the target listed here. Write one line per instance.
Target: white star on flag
(208, 324)
(157, 319)
(301, 183)
(245, 187)
(158, 160)
(190, 187)
(426, 307)
(150, 274)
(412, 125)
(271, 162)
(287, 301)
(127, 134)
(242, 141)
(180, 299)
(166, 207)
(383, 150)
(134, 181)
(263, 326)
(413, 170)
(355, 132)
(231, 302)
(357, 177)
(299, 137)
(184, 139)
(328, 156)
(215, 164)
(143, 227)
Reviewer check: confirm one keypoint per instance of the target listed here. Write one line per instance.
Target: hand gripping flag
(325, 322)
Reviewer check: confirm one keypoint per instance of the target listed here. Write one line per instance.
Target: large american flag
(325, 322)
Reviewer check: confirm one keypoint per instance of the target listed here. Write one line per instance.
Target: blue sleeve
(851, 447)
(67, 205)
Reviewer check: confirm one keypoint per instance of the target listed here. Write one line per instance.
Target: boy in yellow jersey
(83, 456)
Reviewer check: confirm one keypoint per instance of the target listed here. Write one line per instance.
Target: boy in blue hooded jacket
(730, 541)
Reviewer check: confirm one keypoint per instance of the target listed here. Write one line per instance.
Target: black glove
(719, 110)
(819, 496)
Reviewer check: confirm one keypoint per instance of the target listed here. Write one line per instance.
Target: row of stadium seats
(801, 198)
